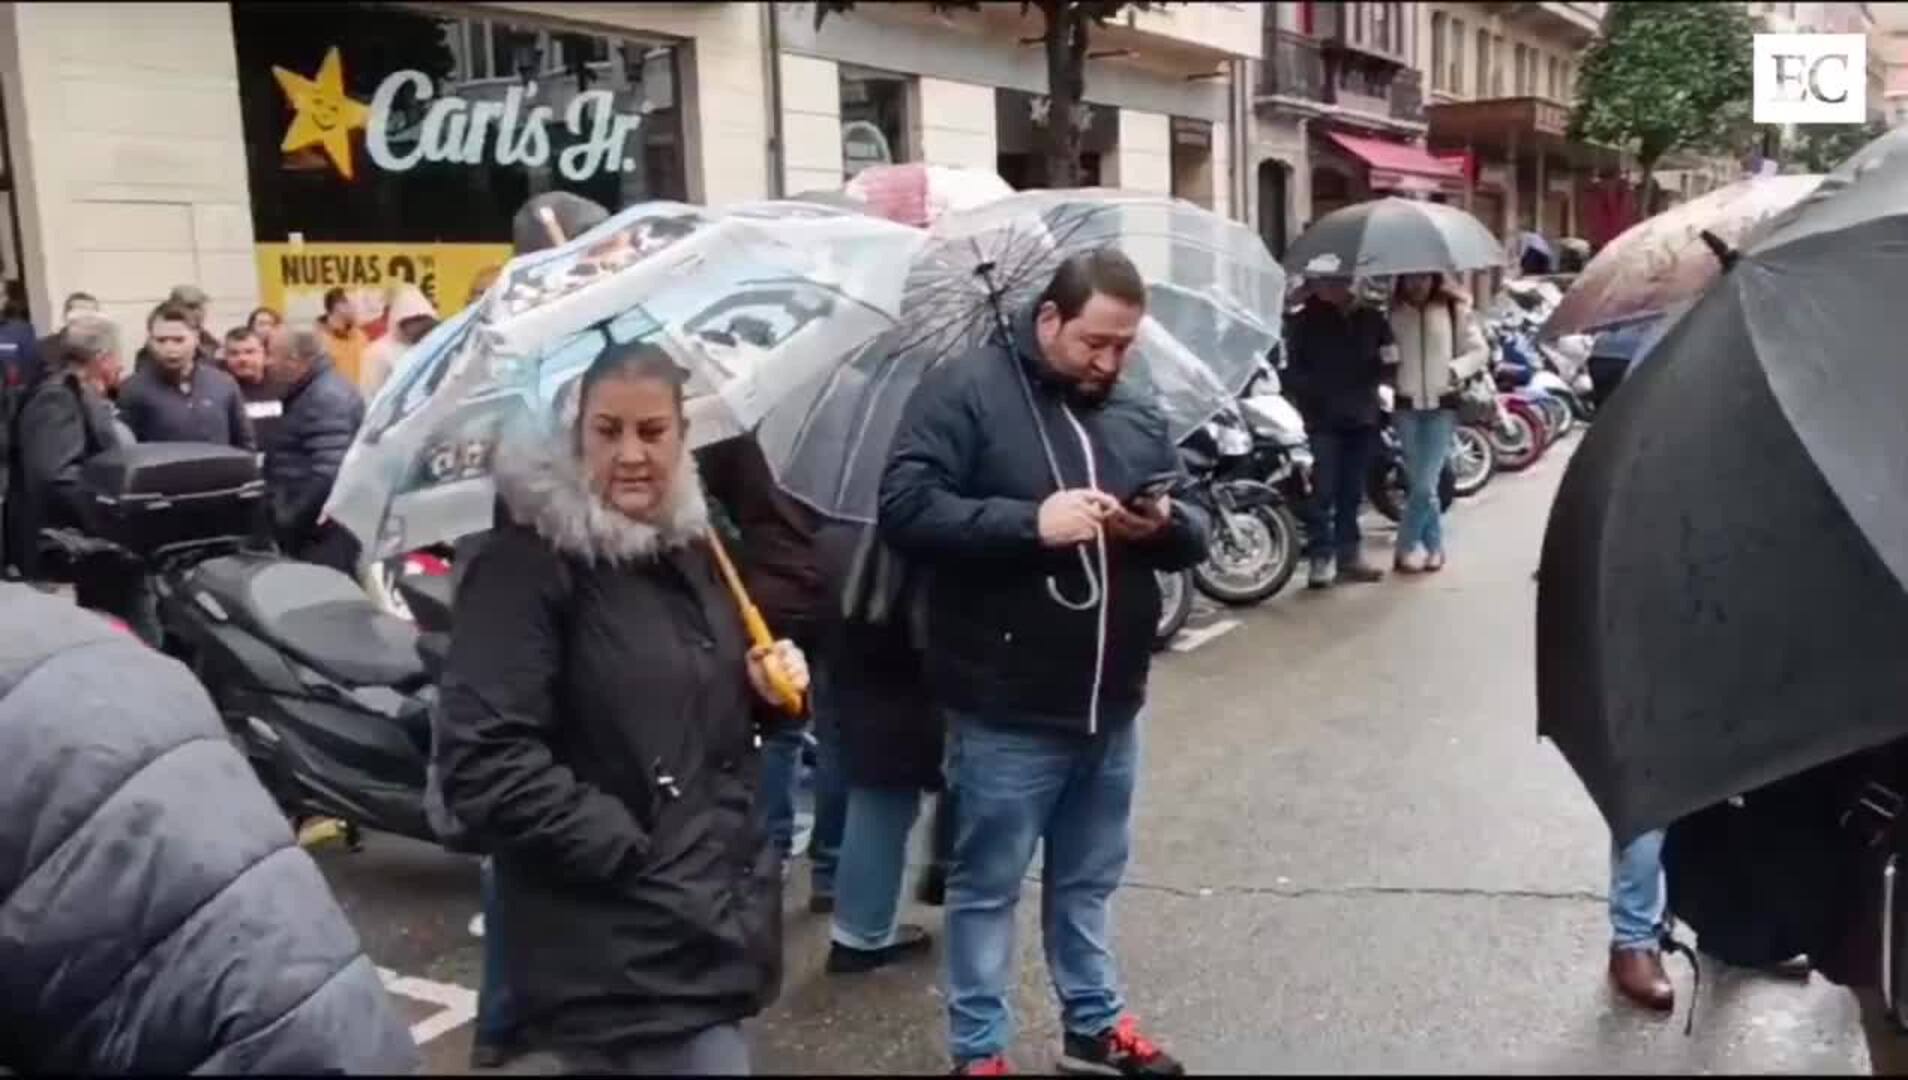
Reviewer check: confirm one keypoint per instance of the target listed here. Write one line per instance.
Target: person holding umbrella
(1336, 352)
(1439, 347)
(1341, 349)
(1690, 677)
(1031, 480)
(598, 738)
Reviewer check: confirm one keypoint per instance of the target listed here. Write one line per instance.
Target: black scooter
(328, 695)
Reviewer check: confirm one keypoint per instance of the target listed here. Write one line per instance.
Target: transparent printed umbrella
(1664, 262)
(755, 303)
(1213, 300)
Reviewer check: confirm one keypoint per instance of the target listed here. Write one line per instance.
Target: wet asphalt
(1351, 854)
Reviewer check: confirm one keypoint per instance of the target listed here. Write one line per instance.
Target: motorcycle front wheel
(1473, 461)
(1254, 553)
(1175, 605)
(1516, 441)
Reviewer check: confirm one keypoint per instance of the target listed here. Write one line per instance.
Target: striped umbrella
(1391, 236)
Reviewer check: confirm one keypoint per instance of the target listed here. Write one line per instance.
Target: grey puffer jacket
(155, 914)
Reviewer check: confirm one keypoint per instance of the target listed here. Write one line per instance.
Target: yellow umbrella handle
(791, 698)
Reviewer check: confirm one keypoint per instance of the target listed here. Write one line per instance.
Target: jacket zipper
(1106, 586)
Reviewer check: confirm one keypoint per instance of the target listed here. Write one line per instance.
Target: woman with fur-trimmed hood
(597, 738)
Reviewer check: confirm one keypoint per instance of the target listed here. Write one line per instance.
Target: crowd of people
(610, 740)
(292, 394)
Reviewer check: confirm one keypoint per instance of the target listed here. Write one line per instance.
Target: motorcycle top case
(151, 496)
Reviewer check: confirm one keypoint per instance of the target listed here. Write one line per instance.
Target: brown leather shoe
(1639, 976)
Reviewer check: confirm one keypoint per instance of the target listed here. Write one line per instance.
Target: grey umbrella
(1393, 236)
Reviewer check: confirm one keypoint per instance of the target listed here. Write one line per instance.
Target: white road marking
(457, 1006)
(1188, 640)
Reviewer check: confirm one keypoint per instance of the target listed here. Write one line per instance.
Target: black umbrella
(1722, 600)
(1390, 236)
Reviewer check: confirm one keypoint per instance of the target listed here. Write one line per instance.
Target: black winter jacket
(61, 424)
(1334, 366)
(595, 736)
(961, 495)
(155, 915)
(321, 415)
(891, 734)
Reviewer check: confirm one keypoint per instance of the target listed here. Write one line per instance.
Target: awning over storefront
(1401, 167)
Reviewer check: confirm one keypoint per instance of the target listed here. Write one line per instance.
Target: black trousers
(1342, 457)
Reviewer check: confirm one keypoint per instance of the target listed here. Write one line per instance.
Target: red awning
(1398, 165)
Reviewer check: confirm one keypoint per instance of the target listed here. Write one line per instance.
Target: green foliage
(1822, 147)
(1668, 76)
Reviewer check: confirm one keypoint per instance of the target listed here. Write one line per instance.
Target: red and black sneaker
(993, 1066)
(1118, 1051)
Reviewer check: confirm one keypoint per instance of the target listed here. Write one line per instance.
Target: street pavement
(1351, 853)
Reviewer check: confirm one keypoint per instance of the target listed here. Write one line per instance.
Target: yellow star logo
(325, 116)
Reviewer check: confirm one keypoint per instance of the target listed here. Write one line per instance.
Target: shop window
(1020, 125)
(1331, 190)
(1274, 205)
(1455, 81)
(1192, 161)
(452, 123)
(874, 118)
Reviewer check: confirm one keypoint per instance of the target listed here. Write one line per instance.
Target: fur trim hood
(542, 484)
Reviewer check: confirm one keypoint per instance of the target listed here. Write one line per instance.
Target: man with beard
(1032, 481)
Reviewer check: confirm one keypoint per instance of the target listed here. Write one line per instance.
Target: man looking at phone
(1019, 477)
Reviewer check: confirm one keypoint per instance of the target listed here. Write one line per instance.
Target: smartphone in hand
(1150, 490)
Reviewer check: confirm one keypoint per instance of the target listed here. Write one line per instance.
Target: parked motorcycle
(328, 695)
(1473, 460)
(1255, 536)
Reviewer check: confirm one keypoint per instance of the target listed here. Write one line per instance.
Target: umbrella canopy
(1724, 590)
(1633, 338)
(917, 195)
(755, 302)
(1658, 263)
(1394, 236)
(1213, 303)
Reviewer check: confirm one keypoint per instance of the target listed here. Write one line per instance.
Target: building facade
(1891, 26)
(901, 82)
(270, 152)
(1503, 82)
(1338, 114)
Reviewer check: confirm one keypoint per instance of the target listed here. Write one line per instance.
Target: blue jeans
(1636, 892)
(1340, 461)
(874, 858)
(781, 770)
(1015, 789)
(1425, 435)
(495, 1003)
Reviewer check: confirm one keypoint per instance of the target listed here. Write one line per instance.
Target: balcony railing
(1298, 67)
(1294, 67)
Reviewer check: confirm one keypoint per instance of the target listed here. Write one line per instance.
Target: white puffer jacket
(1439, 346)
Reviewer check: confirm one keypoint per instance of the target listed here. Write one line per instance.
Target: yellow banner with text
(294, 278)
